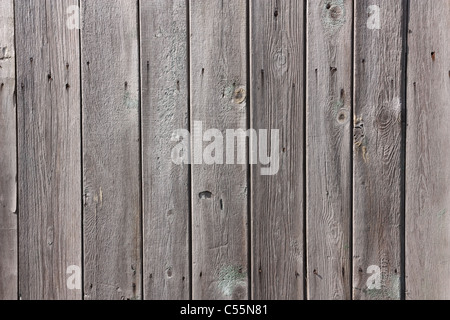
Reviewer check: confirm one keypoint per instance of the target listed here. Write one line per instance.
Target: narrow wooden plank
(428, 172)
(329, 109)
(166, 193)
(277, 79)
(111, 150)
(49, 144)
(379, 73)
(219, 192)
(8, 159)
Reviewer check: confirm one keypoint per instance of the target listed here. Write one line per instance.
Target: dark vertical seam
(141, 155)
(352, 77)
(249, 167)
(188, 84)
(406, 17)
(81, 151)
(17, 153)
(305, 157)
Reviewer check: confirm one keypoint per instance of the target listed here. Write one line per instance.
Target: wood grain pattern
(277, 80)
(92, 123)
(328, 144)
(219, 192)
(166, 192)
(8, 159)
(377, 198)
(49, 144)
(111, 150)
(428, 171)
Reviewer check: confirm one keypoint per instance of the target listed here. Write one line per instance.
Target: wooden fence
(92, 111)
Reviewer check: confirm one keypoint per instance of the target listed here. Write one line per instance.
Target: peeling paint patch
(442, 213)
(359, 137)
(333, 15)
(129, 101)
(230, 278)
(395, 287)
(389, 291)
(4, 53)
(228, 91)
(337, 105)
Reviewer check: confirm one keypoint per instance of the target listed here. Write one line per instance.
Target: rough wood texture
(111, 150)
(329, 109)
(166, 192)
(8, 160)
(48, 106)
(378, 149)
(428, 171)
(219, 192)
(277, 71)
(339, 219)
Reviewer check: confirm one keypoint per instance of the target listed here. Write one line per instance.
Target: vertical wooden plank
(48, 106)
(166, 193)
(219, 192)
(428, 172)
(329, 92)
(8, 159)
(378, 95)
(277, 79)
(111, 150)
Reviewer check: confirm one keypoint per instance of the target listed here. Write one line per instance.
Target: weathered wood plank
(219, 192)
(378, 98)
(48, 106)
(328, 143)
(428, 171)
(277, 79)
(8, 159)
(166, 193)
(111, 150)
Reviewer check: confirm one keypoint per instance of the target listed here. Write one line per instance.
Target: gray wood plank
(329, 150)
(111, 150)
(166, 192)
(277, 80)
(219, 192)
(8, 159)
(49, 169)
(428, 171)
(378, 105)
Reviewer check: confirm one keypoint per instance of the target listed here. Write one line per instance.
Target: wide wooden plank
(218, 75)
(428, 170)
(277, 87)
(378, 105)
(8, 159)
(329, 150)
(49, 144)
(166, 193)
(111, 150)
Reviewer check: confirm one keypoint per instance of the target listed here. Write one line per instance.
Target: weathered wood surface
(277, 86)
(90, 174)
(428, 171)
(218, 73)
(166, 185)
(377, 188)
(8, 159)
(49, 146)
(111, 150)
(328, 141)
